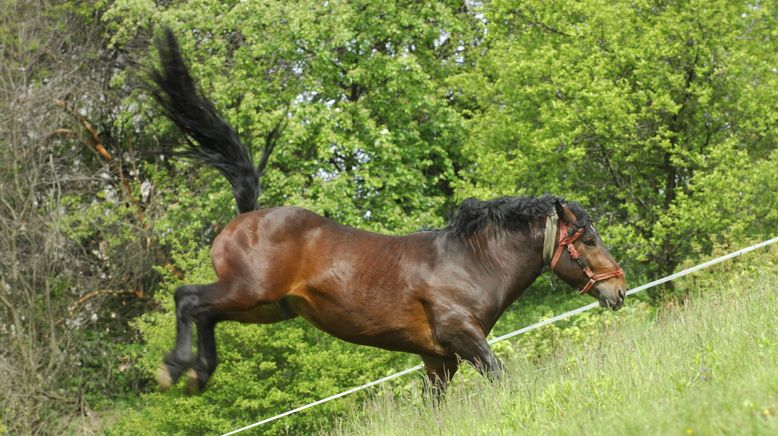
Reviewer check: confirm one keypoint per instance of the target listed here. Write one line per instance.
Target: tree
(75, 264)
(355, 95)
(631, 108)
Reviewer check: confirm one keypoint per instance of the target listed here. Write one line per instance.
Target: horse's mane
(507, 213)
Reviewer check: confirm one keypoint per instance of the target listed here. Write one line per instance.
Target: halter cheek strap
(549, 237)
(566, 241)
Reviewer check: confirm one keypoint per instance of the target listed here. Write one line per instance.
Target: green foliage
(357, 91)
(72, 252)
(659, 117)
(653, 113)
(730, 204)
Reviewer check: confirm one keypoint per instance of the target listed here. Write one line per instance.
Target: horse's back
(361, 286)
(291, 239)
(243, 250)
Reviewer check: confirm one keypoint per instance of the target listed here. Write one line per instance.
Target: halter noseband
(566, 241)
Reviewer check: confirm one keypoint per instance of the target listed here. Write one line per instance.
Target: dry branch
(96, 145)
(104, 293)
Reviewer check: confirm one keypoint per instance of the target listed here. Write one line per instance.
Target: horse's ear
(564, 213)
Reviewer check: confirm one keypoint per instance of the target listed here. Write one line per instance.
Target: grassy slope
(709, 367)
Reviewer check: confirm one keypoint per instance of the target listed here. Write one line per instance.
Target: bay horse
(433, 293)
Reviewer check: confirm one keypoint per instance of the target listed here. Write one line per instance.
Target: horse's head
(579, 257)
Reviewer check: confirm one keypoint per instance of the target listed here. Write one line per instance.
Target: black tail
(215, 141)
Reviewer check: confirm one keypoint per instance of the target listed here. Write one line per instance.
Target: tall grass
(708, 366)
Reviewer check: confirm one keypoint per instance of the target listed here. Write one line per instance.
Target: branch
(20, 342)
(540, 24)
(88, 126)
(103, 293)
(271, 139)
(95, 146)
(68, 132)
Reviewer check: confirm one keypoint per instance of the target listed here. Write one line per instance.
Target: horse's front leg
(486, 362)
(463, 336)
(439, 374)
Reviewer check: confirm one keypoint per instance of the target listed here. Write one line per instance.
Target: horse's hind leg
(206, 361)
(190, 304)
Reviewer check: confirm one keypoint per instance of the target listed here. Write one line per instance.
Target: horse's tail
(213, 141)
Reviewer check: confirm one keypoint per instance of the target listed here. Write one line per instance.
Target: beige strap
(550, 237)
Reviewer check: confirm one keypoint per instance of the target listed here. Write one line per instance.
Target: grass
(708, 366)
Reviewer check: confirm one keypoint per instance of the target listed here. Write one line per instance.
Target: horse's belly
(403, 328)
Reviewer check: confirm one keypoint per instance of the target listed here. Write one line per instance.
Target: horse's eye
(590, 242)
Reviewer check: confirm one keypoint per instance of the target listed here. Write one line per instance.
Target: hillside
(703, 367)
(657, 117)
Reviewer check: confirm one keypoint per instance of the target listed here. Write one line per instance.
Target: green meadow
(702, 365)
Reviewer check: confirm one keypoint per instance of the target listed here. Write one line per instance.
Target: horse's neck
(510, 261)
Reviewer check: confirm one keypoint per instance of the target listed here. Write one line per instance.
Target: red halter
(567, 242)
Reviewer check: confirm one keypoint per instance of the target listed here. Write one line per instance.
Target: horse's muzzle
(615, 303)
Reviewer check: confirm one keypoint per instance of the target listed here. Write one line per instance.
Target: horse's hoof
(164, 378)
(193, 385)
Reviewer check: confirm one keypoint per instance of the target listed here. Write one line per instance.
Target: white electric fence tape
(514, 333)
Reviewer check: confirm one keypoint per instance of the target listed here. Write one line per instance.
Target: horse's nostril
(621, 294)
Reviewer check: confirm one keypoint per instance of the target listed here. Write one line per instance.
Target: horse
(435, 293)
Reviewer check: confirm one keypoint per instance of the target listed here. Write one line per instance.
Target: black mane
(507, 213)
